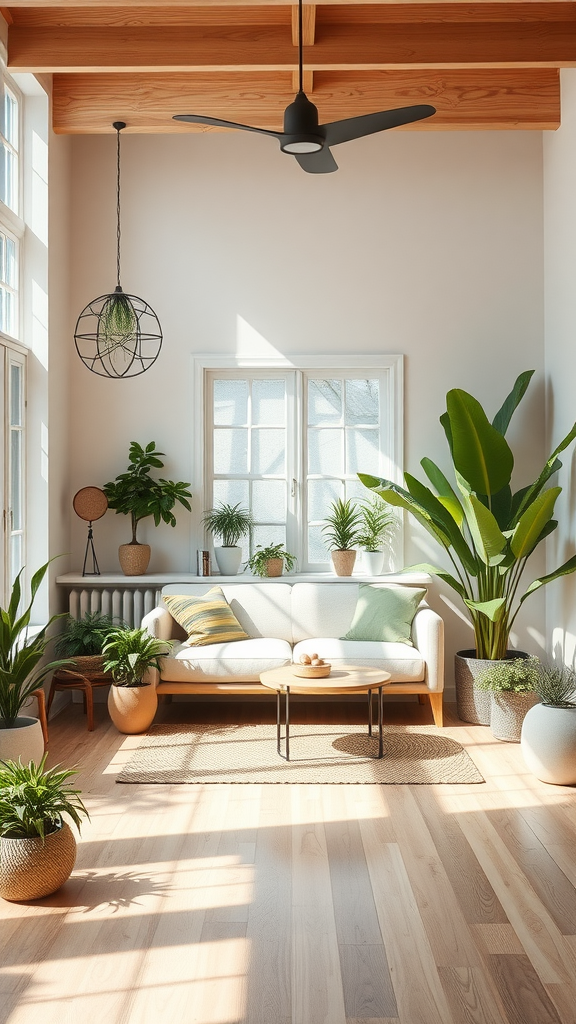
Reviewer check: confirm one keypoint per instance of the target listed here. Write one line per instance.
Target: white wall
(560, 320)
(428, 244)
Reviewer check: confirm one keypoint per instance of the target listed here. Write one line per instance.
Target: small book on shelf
(202, 562)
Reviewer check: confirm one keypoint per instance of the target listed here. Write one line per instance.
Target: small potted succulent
(129, 654)
(379, 522)
(341, 531)
(548, 739)
(138, 495)
(270, 560)
(37, 846)
(230, 523)
(512, 684)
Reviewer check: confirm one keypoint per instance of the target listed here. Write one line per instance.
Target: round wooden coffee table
(344, 679)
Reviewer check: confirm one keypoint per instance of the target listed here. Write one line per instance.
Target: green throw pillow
(207, 620)
(384, 614)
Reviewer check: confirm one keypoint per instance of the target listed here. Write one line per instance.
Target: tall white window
(9, 147)
(12, 465)
(285, 443)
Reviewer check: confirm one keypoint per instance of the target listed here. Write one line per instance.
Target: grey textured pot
(548, 744)
(474, 705)
(507, 713)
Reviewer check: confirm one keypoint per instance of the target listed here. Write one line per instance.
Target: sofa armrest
(159, 623)
(428, 637)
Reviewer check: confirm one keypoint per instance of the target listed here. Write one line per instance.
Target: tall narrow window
(8, 284)
(9, 144)
(15, 511)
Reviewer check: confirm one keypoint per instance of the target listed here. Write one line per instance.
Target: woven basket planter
(91, 666)
(473, 705)
(134, 558)
(507, 713)
(30, 869)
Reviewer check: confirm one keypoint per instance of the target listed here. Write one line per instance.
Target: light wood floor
(302, 904)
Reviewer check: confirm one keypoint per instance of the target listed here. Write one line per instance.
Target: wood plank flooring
(307, 904)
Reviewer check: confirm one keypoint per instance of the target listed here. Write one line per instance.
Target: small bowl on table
(312, 671)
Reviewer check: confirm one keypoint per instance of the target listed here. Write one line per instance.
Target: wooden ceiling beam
(471, 5)
(465, 100)
(337, 48)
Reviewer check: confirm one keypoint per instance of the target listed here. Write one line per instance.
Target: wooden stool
(42, 715)
(66, 679)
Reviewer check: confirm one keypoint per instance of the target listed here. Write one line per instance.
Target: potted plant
(22, 671)
(486, 530)
(270, 560)
(129, 654)
(341, 530)
(378, 524)
(37, 846)
(230, 523)
(138, 495)
(512, 685)
(548, 740)
(82, 641)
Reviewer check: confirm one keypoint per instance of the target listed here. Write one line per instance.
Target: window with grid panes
(9, 146)
(286, 443)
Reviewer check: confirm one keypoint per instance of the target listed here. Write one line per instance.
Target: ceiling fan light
(304, 144)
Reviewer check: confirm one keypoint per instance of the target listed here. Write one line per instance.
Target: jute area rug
(413, 755)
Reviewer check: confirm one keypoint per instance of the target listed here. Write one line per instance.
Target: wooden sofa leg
(421, 698)
(437, 708)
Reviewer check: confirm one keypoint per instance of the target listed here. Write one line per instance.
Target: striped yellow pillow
(207, 620)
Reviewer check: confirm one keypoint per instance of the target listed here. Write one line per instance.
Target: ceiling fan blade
(369, 124)
(218, 123)
(321, 162)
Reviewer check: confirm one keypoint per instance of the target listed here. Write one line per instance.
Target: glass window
(9, 143)
(8, 285)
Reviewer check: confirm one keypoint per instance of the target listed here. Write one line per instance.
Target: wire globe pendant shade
(118, 335)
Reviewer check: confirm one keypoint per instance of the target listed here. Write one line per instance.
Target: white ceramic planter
(373, 562)
(24, 741)
(548, 744)
(228, 560)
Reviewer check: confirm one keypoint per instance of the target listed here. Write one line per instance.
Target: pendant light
(118, 335)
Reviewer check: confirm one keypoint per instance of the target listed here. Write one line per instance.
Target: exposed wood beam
(337, 48)
(464, 99)
(470, 4)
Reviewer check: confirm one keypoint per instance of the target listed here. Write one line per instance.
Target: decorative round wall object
(90, 503)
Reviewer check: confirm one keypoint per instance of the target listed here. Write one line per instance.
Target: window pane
(10, 119)
(265, 535)
(324, 401)
(11, 265)
(230, 451)
(362, 401)
(8, 177)
(325, 452)
(269, 501)
(355, 489)
(320, 495)
(269, 402)
(231, 492)
(230, 402)
(268, 451)
(362, 451)
(16, 478)
(15, 395)
(16, 556)
(317, 550)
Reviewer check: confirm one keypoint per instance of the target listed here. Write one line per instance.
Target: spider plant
(128, 653)
(33, 799)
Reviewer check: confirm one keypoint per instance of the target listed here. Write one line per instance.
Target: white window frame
(10, 354)
(388, 368)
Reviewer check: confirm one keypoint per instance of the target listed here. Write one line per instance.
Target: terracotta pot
(25, 741)
(274, 566)
(474, 705)
(548, 744)
(31, 869)
(343, 562)
(132, 708)
(134, 558)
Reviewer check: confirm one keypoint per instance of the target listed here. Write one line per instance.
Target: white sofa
(285, 620)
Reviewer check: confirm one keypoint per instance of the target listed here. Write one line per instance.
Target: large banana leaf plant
(487, 531)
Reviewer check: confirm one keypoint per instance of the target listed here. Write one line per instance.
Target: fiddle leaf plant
(137, 494)
(487, 530)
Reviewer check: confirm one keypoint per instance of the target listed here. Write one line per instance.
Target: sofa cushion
(262, 609)
(404, 663)
(385, 613)
(207, 619)
(242, 660)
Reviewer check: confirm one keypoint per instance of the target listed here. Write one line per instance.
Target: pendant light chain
(118, 125)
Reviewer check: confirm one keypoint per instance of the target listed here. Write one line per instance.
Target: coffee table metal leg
(286, 756)
(369, 712)
(380, 722)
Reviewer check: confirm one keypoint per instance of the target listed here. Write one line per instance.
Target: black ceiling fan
(309, 141)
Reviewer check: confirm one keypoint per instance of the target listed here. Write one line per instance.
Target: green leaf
(531, 524)
(493, 610)
(502, 418)
(442, 574)
(564, 570)
(441, 516)
(397, 496)
(488, 539)
(552, 464)
(481, 454)
(446, 493)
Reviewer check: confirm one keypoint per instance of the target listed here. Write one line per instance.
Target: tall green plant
(21, 654)
(487, 531)
(129, 653)
(342, 525)
(33, 799)
(138, 495)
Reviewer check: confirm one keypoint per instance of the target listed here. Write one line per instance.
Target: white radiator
(130, 604)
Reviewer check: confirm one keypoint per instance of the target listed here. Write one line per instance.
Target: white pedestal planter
(24, 741)
(548, 744)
